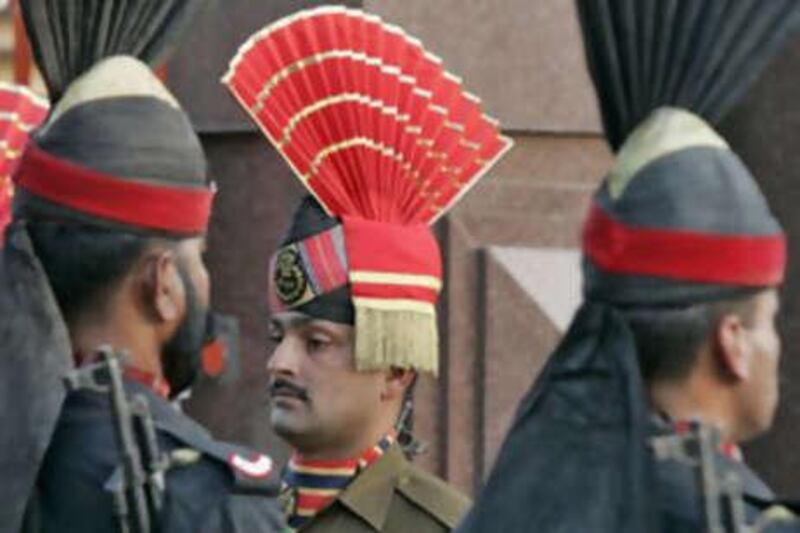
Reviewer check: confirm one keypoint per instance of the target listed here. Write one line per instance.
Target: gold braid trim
(396, 333)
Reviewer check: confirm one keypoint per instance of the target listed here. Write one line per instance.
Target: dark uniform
(206, 489)
(117, 157)
(678, 224)
(392, 496)
(679, 496)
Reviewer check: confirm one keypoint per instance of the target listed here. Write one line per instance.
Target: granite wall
(510, 249)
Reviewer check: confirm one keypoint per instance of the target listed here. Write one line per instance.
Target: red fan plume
(20, 112)
(370, 122)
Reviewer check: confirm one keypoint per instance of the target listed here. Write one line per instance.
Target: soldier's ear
(729, 347)
(163, 290)
(396, 381)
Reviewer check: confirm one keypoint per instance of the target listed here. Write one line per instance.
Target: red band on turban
(757, 260)
(390, 261)
(145, 205)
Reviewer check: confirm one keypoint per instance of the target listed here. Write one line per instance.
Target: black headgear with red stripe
(119, 152)
(117, 149)
(678, 221)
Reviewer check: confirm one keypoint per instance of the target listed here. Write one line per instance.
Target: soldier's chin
(291, 427)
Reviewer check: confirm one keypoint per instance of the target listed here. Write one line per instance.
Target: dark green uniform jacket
(392, 496)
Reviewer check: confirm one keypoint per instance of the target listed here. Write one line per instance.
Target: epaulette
(252, 472)
(434, 496)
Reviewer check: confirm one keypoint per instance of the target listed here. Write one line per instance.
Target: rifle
(721, 488)
(138, 483)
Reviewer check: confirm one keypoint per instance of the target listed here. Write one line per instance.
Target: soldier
(348, 472)
(105, 249)
(682, 264)
(354, 282)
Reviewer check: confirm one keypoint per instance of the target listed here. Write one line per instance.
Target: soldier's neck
(125, 334)
(692, 401)
(351, 446)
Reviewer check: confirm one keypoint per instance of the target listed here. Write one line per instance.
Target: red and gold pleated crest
(369, 120)
(21, 111)
(385, 139)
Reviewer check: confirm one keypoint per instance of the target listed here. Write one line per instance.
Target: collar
(153, 382)
(728, 449)
(312, 485)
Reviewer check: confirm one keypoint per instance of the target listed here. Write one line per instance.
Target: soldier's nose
(284, 360)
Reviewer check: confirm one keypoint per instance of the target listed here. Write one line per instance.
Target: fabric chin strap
(746, 260)
(174, 209)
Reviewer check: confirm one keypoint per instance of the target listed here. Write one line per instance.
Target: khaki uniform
(392, 496)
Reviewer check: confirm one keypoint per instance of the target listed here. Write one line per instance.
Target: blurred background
(511, 248)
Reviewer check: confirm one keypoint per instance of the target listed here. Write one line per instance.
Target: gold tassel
(396, 333)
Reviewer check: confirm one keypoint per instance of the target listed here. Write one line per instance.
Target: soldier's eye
(275, 334)
(315, 344)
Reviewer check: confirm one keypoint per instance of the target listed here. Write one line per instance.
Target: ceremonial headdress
(21, 111)
(386, 141)
(116, 151)
(678, 221)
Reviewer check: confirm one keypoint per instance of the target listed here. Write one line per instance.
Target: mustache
(281, 386)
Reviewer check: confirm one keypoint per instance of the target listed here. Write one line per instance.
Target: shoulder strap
(252, 472)
(433, 495)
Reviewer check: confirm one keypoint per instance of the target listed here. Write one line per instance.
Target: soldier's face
(760, 392)
(317, 398)
(181, 354)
